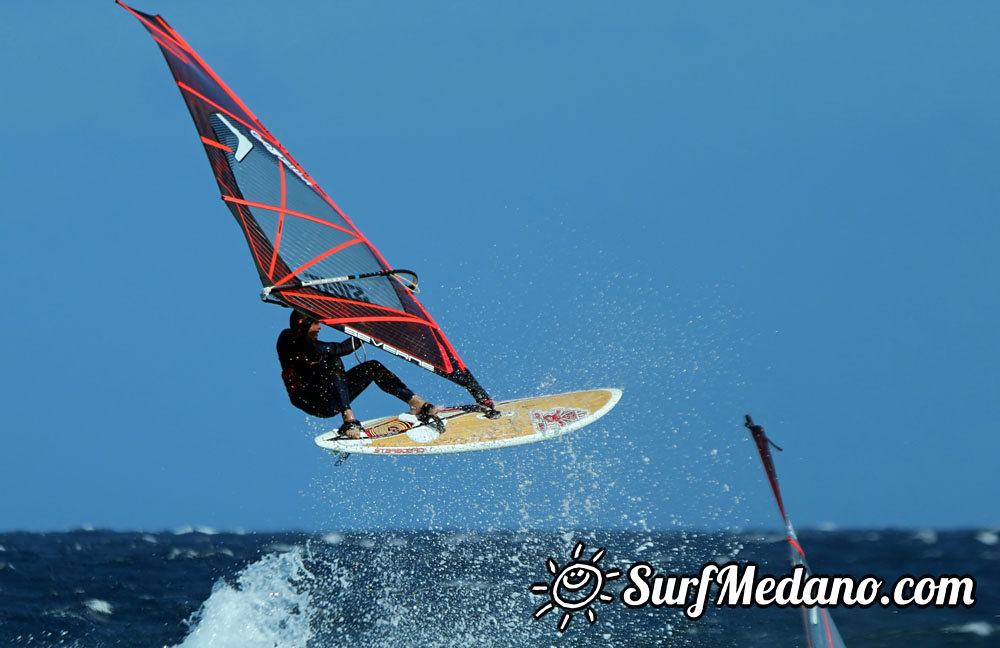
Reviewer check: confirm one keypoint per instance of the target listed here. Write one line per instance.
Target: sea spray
(381, 590)
(420, 589)
(267, 606)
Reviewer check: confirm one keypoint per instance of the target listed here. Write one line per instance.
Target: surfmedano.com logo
(575, 587)
(580, 583)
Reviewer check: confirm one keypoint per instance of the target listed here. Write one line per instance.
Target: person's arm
(338, 349)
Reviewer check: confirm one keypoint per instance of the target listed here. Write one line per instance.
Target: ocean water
(193, 588)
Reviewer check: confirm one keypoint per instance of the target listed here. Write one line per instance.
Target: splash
(389, 594)
(440, 590)
(267, 606)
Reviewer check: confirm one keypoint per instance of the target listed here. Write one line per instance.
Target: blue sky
(784, 209)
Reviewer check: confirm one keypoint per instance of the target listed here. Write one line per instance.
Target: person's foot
(351, 429)
(420, 407)
(426, 413)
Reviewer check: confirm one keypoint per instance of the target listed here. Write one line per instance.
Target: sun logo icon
(575, 587)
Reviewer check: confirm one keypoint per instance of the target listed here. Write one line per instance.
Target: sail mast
(821, 632)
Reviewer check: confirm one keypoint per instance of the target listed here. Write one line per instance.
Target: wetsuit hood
(300, 322)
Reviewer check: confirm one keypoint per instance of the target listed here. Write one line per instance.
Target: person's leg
(363, 375)
(315, 402)
(324, 391)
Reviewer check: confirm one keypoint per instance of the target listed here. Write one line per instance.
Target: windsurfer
(317, 383)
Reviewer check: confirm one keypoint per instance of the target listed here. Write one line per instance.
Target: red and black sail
(821, 631)
(295, 232)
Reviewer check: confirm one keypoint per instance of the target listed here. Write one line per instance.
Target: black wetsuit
(315, 378)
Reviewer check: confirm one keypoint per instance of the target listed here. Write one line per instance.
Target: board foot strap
(490, 411)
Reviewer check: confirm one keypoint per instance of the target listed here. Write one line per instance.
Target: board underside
(525, 420)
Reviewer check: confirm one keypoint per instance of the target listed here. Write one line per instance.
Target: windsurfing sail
(309, 255)
(821, 632)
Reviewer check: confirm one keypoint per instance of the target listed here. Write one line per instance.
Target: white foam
(280, 547)
(978, 628)
(99, 606)
(457, 538)
(191, 554)
(302, 597)
(188, 529)
(988, 537)
(268, 607)
(927, 536)
(333, 538)
(648, 544)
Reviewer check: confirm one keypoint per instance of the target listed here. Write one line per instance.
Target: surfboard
(521, 421)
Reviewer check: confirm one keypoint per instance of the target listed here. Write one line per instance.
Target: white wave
(988, 537)
(266, 608)
(454, 539)
(305, 597)
(978, 628)
(927, 536)
(99, 606)
(280, 547)
(648, 544)
(333, 538)
(191, 554)
(188, 529)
